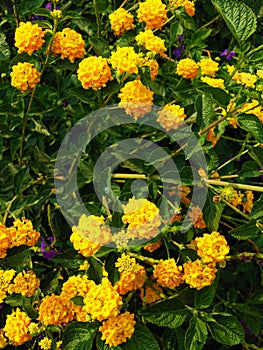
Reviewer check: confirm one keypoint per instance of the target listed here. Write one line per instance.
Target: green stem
(15, 12)
(97, 17)
(8, 208)
(260, 47)
(25, 116)
(235, 185)
(146, 259)
(211, 22)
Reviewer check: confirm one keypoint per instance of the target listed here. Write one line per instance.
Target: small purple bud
(224, 53)
(230, 55)
(177, 52)
(180, 37)
(1, 306)
(48, 6)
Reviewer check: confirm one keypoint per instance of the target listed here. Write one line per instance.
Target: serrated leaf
(256, 154)
(218, 95)
(173, 339)
(79, 335)
(4, 48)
(204, 297)
(205, 110)
(196, 334)
(257, 210)
(226, 329)
(251, 124)
(101, 345)
(14, 300)
(212, 213)
(239, 18)
(142, 339)
(86, 170)
(249, 169)
(249, 230)
(168, 313)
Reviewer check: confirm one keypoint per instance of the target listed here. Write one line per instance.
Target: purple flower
(47, 253)
(1, 306)
(180, 37)
(48, 6)
(177, 52)
(228, 55)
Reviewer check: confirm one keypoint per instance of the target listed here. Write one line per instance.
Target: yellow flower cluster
(24, 76)
(25, 283)
(6, 277)
(138, 211)
(199, 275)
(55, 310)
(212, 248)
(69, 44)
(187, 68)
(196, 216)
(253, 108)
(56, 13)
(117, 330)
(243, 78)
(121, 21)
(151, 42)
(28, 37)
(5, 240)
(89, 235)
(45, 343)
(217, 83)
(171, 117)
(3, 340)
(208, 67)
(125, 60)
(142, 217)
(136, 98)
(16, 327)
(154, 67)
(151, 247)
(94, 72)
(149, 294)
(102, 301)
(237, 198)
(22, 232)
(77, 286)
(189, 6)
(168, 274)
(132, 275)
(153, 13)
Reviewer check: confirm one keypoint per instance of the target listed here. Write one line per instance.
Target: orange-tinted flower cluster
(136, 98)
(22, 232)
(171, 117)
(29, 37)
(24, 76)
(16, 327)
(94, 72)
(153, 13)
(69, 44)
(25, 283)
(187, 68)
(168, 274)
(125, 60)
(151, 42)
(121, 21)
(198, 274)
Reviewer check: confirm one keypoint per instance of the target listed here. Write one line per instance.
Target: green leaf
(226, 329)
(257, 298)
(85, 96)
(249, 230)
(168, 313)
(239, 18)
(199, 36)
(257, 56)
(50, 283)
(204, 297)
(205, 110)
(142, 339)
(176, 29)
(69, 258)
(95, 270)
(4, 48)
(212, 213)
(251, 124)
(256, 154)
(173, 339)
(100, 46)
(79, 335)
(257, 210)
(101, 345)
(196, 334)
(18, 258)
(78, 300)
(14, 300)
(30, 310)
(249, 169)
(218, 95)
(43, 13)
(87, 171)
